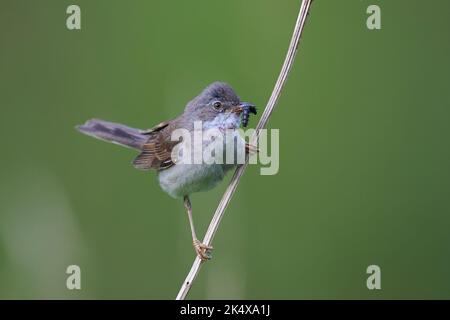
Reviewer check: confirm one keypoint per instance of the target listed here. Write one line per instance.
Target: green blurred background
(364, 167)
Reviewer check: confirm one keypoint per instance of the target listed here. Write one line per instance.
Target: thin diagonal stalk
(214, 225)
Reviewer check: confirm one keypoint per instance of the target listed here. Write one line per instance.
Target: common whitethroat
(218, 108)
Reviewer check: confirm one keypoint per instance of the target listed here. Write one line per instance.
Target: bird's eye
(217, 105)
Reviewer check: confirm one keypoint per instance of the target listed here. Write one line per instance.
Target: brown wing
(156, 152)
(156, 128)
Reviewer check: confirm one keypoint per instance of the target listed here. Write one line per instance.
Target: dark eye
(217, 105)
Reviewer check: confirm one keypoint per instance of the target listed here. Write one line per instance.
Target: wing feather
(157, 151)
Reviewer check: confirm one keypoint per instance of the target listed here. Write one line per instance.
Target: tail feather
(114, 132)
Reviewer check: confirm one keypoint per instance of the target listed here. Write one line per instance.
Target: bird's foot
(203, 251)
(251, 149)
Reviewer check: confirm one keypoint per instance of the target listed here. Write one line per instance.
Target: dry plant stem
(213, 226)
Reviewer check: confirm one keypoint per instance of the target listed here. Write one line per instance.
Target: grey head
(214, 99)
(218, 102)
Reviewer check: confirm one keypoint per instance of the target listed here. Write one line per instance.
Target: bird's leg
(203, 251)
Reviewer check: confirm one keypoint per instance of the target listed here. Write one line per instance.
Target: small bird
(217, 107)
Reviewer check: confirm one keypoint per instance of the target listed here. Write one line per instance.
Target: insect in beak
(247, 108)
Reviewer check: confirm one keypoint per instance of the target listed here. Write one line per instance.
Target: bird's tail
(114, 132)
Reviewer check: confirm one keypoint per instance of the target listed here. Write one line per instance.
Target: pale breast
(184, 179)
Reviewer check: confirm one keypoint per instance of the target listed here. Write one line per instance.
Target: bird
(217, 107)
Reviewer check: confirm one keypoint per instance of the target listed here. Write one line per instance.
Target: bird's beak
(248, 106)
(237, 109)
(241, 107)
